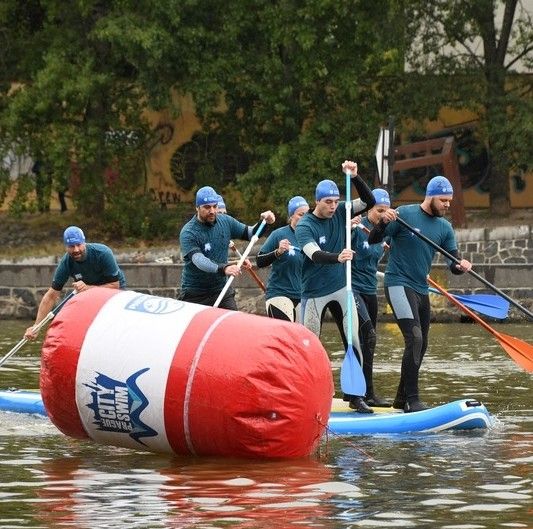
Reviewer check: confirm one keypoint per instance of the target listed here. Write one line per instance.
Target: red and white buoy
(140, 371)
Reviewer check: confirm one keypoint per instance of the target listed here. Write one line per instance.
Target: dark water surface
(463, 480)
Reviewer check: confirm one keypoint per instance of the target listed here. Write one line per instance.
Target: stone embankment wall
(502, 255)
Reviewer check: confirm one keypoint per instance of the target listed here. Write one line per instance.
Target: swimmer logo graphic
(117, 406)
(154, 304)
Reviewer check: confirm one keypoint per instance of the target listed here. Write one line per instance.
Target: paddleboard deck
(463, 414)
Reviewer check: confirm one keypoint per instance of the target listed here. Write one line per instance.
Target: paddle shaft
(248, 249)
(349, 293)
(352, 377)
(36, 328)
(496, 309)
(471, 272)
(251, 271)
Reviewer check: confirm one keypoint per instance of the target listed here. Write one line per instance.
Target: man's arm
(318, 256)
(366, 199)
(50, 298)
(377, 234)
(81, 286)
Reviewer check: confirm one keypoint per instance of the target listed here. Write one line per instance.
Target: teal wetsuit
(406, 287)
(323, 277)
(284, 283)
(364, 287)
(366, 260)
(98, 268)
(208, 244)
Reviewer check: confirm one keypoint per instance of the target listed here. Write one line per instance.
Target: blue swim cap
(73, 235)
(295, 203)
(221, 204)
(206, 195)
(326, 188)
(439, 185)
(381, 196)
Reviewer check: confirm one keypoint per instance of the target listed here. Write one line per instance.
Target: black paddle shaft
(471, 272)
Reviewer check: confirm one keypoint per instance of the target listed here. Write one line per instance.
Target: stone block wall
(503, 256)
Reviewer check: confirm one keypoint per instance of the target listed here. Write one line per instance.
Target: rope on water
(343, 438)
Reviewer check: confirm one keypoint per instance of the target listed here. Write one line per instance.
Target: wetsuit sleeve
(453, 264)
(377, 234)
(318, 256)
(366, 199)
(206, 265)
(265, 259)
(321, 257)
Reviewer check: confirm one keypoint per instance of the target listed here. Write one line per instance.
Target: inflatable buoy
(139, 371)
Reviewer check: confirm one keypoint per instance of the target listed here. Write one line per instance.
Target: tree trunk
(91, 193)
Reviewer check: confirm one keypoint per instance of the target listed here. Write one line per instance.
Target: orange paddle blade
(520, 351)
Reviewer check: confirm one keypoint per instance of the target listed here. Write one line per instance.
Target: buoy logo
(117, 406)
(154, 304)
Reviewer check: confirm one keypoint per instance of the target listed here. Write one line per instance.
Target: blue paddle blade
(487, 304)
(352, 378)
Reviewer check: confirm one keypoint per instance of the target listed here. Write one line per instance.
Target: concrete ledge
(508, 232)
(470, 235)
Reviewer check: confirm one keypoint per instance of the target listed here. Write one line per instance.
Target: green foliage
(5, 184)
(293, 88)
(478, 45)
(22, 203)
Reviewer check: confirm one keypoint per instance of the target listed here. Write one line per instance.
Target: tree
(69, 96)
(475, 47)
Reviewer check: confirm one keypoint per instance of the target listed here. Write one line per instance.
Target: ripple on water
(487, 507)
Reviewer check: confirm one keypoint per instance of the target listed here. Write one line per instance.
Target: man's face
(207, 213)
(374, 214)
(298, 214)
(76, 251)
(440, 205)
(325, 208)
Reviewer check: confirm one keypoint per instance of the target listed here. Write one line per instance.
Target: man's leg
(338, 308)
(281, 308)
(406, 305)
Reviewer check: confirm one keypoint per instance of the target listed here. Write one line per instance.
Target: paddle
(488, 304)
(471, 272)
(251, 271)
(521, 352)
(248, 249)
(352, 378)
(36, 328)
(493, 306)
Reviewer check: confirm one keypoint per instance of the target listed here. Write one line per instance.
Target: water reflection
(129, 489)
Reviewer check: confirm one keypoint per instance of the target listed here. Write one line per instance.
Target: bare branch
(507, 25)
(519, 56)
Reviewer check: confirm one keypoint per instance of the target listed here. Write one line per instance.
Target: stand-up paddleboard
(463, 414)
(19, 401)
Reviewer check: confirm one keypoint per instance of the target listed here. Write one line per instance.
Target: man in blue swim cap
(321, 234)
(89, 264)
(406, 287)
(204, 242)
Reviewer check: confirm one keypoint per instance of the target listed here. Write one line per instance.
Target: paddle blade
(352, 378)
(520, 351)
(487, 304)
(493, 306)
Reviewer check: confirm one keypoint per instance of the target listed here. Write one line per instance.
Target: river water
(461, 480)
